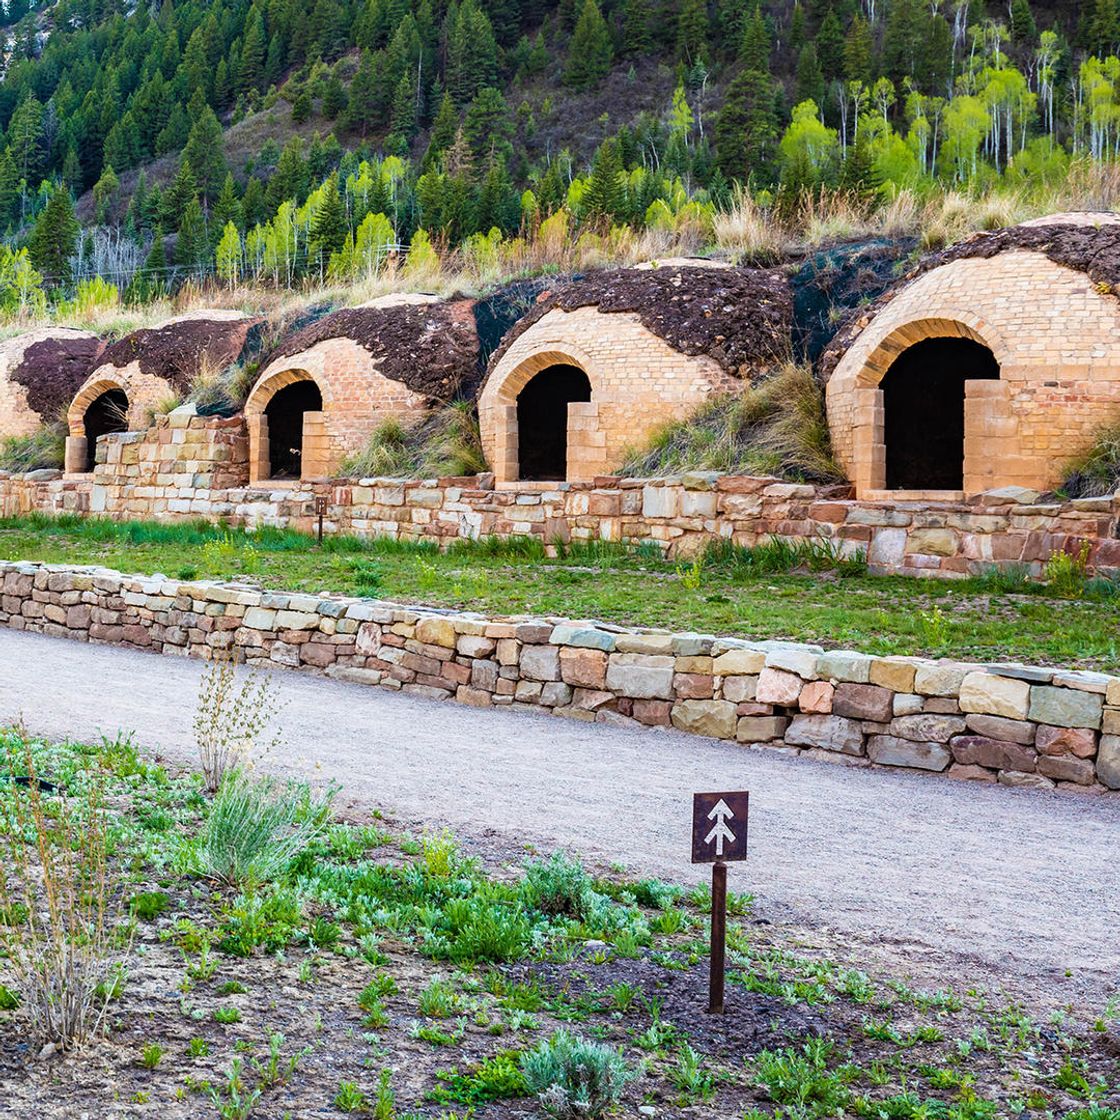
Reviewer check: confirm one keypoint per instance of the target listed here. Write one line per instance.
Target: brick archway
(90, 392)
(79, 453)
(315, 445)
(499, 415)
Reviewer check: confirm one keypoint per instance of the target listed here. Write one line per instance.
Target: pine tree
(746, 130)
(830, 46)
(487, 124)
(289, 180)
(9, 191)
(857, 52)
(55, 237)
(404, 109)
(175, 199)
(103, 191)
(328, 225)
(253, 51)
(227, 208)
(1024, 31)
(205, 153)
(192, 247)
(590, 51)
(334, 98)
(637, 37)
(755, 51)
(1104, 27)
(472, 52)
(604, 196)
(810, 80)
(367, 107)
(443, 132)
(692, 31)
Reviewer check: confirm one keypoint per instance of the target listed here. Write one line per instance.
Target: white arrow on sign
(721, 813)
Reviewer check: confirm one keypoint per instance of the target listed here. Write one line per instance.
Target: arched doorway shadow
(542, 421)
(285, 416)
(105, 414)
(924, 411)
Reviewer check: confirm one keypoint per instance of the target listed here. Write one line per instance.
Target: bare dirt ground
(915, 875)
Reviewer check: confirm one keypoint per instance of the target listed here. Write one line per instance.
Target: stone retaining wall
(1007, 723)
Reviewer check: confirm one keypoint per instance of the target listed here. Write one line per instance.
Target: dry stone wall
(1012, 724)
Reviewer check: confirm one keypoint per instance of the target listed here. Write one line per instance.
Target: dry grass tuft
(445, 443)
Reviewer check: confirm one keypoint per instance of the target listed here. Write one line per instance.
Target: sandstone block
(692, 686)
(484, 675)
(863, 701)
(540, 663)
(987, 694)
(739, 662)
(643, 677)
(939, 680)
(1029, 781)
(585, 637)
(473, 697)
(816, 698)
(975, 750)
(715, 718)
(893, 673)
(1108, 761)
(969, 773)
(1065, 707)
(831, 733)
(927, 727)
(760, 729)
(907, 704)
(1066, 768)
(775, 686)
(556, 694)
(999, 727)
(739, 689)
(436, 632)
(890, 750)
(471, 645)
(1077, 741)
(840, 665)
(259, 618)
(653, 713)
(584, 667)
(801, 662)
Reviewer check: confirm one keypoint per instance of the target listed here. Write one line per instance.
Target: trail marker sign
(719, 836)
(719, 827)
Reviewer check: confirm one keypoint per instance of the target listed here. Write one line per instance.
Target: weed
(277, 1069)
(572, 1077)
(801, 1078)
(150, 1055)
(198, 1048)
(689, 1075)
(1067, 572)
(350, 1098)
(148, 905)
(495, 1078)
(227, 1015)
(439, 999)
(233, 1100)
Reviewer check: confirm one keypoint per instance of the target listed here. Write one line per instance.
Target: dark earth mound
(53, 370)
(432, 348)
(176, 351)
(738, 316)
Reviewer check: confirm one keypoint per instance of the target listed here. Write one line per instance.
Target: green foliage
(498, 1077)
(444, 443)
(800, 1079)
(573, 1077)
(42, 449)
(559, 886)
(256, 828)
(148, 905)
(1066, 572)
(1096, 472)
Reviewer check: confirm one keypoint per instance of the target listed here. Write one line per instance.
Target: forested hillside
(273, 140)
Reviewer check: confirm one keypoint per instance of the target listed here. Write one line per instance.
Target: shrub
(60, 896)
(1067, 573)
(775, 427)
(446, 442)
(558, 886)
(1096, 472)
(573, 1077)
(44, 448)
(256, 828)
(232, 715)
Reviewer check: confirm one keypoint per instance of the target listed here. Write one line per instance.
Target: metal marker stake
(719, 938)
(320, 509)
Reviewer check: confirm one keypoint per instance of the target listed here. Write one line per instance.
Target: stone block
(1108, 761)
(890, 750)
(760, 729)
(1065, 707)
(987, 694)
(802, 662)
(975, 750)
(831, 733)
(653, 713)
(999, 727)
(436, 632)
(640, 676)
(693, 686)
(1077, 741)
(969, 773)
(739, 662)
(840, 665)
(1066, 768)
(540, 663)
(739, 690)
(775, 686)
(584, 637)
(863, 701)
(939, 680)
(894, 673)
(907, 704)
(586, 668)
(816, 698)
(715, 718)
(556, 694)
(472, 645)
(927, 727)
(1025, 780)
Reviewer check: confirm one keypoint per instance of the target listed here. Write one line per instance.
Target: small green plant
(233, 1100)
(800, 1079)
(934, 628)
(495, 1078)
(198, 1048)
(692, 576)
(558, 886)
(1067, 572)
(276, 1069)
(385, 1103)
(148, 905)
(572, 1077)
(150, 1055)
(439, 999)
(227, 1015)
(232, 988)
(350, 1098)
(689, 1075)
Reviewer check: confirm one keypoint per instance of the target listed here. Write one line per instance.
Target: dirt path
(1010, 883)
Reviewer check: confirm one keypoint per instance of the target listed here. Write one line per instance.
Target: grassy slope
(878, 615)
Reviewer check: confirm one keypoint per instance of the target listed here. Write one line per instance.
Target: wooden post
(719, 938)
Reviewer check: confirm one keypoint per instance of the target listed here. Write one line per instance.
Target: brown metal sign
(719, 827)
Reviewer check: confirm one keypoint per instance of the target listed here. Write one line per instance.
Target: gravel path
(1010, 883)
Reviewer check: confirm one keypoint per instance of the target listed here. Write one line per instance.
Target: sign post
(719, 837)
(320, 511)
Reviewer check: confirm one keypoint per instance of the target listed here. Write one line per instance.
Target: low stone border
(1014, 724)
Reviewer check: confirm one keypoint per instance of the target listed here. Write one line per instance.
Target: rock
(975, 750)
(775, 686)
(932, 542)
(816, 698)
(739, 662)
(760, 729)
(996, 696)
(654, 644)
(1077, 741)
(436, 632)
(1065, 707)
(653, 713)
(927, 727)
(641, 676)
(1030, 781)
(802, 662)
(840, 665)
(998, 727)
(939, 680)
(1016, 495)
(969, 773)
(1108, 761)
(48, 1051)
(1066, 768)
(540, 663)
(895, 673)
(889, 750)
(907, 704)
(1084, 680)
(584, 667)
(739, 689)
(556, 694)
(832, 733)
(584, 637)
(471, 645)
(715, 718)
(863, 701)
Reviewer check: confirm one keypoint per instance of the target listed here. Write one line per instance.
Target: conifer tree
(367, 106)
(55, 237)
(755, 51)
(227, 208)
(830, 46)
(183, 188)
(1024, 31)
(858, 46)
(192, 247)
(746, 130)
(254, 49)
(810, 80)
(9, 191)
(692, 31)
(590, 51)
(328, 225)
(637, 37)
(205, 153)
(604, 197)
(443, 132)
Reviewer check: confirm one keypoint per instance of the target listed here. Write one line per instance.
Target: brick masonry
(1015, 725)
(187, 466)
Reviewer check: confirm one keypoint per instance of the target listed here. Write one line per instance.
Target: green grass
(739, 592)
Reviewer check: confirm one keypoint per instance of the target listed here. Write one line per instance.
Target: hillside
(262, 140)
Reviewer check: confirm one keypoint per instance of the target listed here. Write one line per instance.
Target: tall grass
(446, 442)
(1096, 471)
(43, 448)
(775, 427)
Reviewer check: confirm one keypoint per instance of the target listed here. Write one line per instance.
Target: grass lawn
(310, 966)
(770, 592)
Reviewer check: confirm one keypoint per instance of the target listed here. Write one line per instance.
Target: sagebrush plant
(61, 899)
(575, 1078)
(257, 826)
(235, 711)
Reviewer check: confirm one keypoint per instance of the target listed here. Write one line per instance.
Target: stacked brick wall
(184, 468)
(1016, 725)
